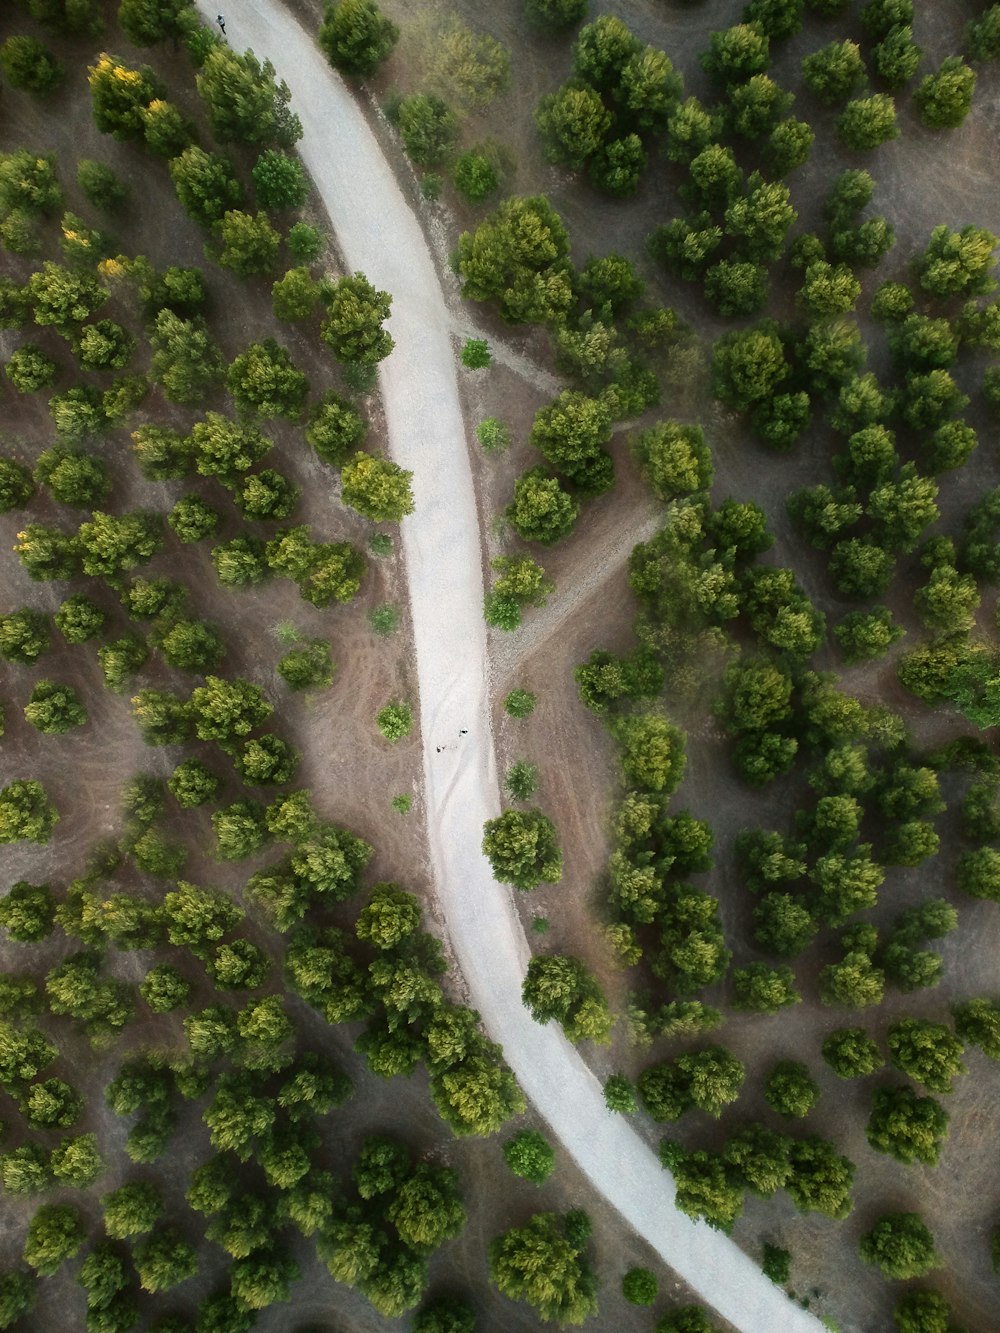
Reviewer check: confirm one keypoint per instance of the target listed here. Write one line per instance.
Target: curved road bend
(378, 234)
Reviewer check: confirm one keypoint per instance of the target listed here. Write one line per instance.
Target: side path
(378, 234)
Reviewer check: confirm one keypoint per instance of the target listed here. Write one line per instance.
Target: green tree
(685, 1319)
(855, 982)
(224, 709)
(900, 1245)
(119, 94)
(762, 989)
(17, 1297)
(27, 912)
(944, 98)
(835, 72)
(907, 1127)
(820, 1180)
(551, 16)
(26, 1170)
(192, 519)
(540, 1264)
(427, 126)
(55, 1234)
(26, 812)
(186, 361)
(929, 1052)
(54, 709)
(640, 1287)
(308, 665)
(541, 510)
(675, 459)
(244, 101)
(280, 180)
(206, 185)
(353, 328)
(16, 485)
(427, 1208)
(164, 989)
(29, 369)
(748, 366)
(867, 122)
(905, 507)
(110, 545)
(264, 380)
(602, 50)
(164, 1259)
(790, 1089)
(957, 263)
(573, 123)
(863, 636)
(132, 1209)
(395, 720)
(735, 54)
(709, 1079)
(248, 244)
(530, 1156)
(476, 175)
(783, 924)
(24, 636)
(652, 751)
(757, 106)
(982, 35)
(519, 703)
(377, 488)
(560, 987)
(519, 256)
(51, 1104)
(356, 36)
(296, 295)
(923, 1312)
(335, 427)
(523, 849)
(445, 1314)
(61, 298)
(30, 66)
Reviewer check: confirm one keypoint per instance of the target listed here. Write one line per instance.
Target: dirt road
(378, 234)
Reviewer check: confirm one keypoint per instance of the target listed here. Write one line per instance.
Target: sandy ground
(442, 548)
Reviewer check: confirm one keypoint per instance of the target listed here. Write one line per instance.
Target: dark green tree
(540, 1264)
(356, 36)
(900, 1245)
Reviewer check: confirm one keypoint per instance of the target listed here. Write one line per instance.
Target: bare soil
(923, 179)
(350, 771)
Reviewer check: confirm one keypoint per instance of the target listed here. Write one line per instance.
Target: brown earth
(923, 179)
(84, 771)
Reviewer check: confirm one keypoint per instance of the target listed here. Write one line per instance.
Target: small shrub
(493, 435)
(777, 1263)
(619, 1095)
(640, 1287)
(520, 703)
(395, 721)
(308, 666)
(521, 780)
(530, 1156)
(475, 176)
(384, 620)
(304, 242)
(402, 803)
(476, 354)
(380, 543)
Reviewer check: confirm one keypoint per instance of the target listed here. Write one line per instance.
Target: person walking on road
(221, 21)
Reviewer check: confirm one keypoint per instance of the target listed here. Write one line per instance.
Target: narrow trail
(378, 234)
